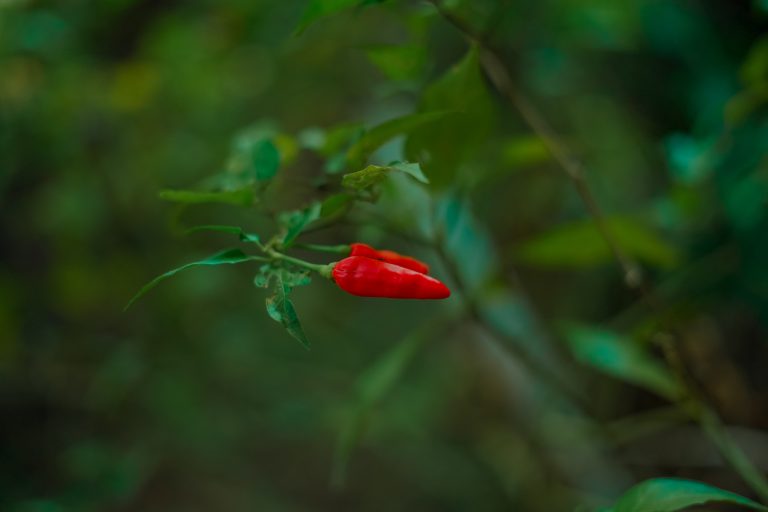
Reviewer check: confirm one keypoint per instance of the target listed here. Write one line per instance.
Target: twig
(700, 410)
(530, 363)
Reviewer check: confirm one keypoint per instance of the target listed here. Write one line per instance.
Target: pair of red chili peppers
(368, 272)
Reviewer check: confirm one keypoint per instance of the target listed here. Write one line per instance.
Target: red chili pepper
(358, 249)
(368, 277)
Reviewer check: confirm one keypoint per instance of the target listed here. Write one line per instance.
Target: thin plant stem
(531, 364)
(699, 409)
(333, 249)
(324, 270)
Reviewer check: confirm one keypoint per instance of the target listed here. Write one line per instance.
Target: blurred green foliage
(123, 123)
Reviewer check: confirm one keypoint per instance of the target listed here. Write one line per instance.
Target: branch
(500, 76)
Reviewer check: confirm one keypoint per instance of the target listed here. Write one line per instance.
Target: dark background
(195, 400)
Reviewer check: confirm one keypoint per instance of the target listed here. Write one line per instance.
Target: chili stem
(324, 270)
(335, 249)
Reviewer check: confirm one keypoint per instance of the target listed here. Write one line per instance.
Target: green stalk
(334, 249)
(323, 270)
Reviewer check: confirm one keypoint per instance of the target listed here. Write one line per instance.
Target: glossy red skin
(358, 249)
(367, 277)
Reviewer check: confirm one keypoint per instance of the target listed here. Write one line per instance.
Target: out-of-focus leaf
(671, 494)
(371, 388)
(509, 313)
(228, 257)
(256, 155)
(335, 205)
(374, 174)
(742, 105)
(688, 158)
(294, 222)
(368, 177)
(745, 201)
(251, 238)
(526, 150)
(580, 244)
(281, 310)
(377, 136)
(754, 75)
(466, 242)
(240, 197)
(265, 159)
(399, 62)
(614, 355)
(407, 205)
(312, 138)
(316, 9)
(287, 148)
(337, 142)
(341, 137)
(443, 147)
(234, 230)
(754, 71)
(412, 169)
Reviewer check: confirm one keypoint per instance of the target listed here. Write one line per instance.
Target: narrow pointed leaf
(580, 244)
(281, 310)
(228, 257)
(295, 222)
(265, 159)
(443, 147)
(375, 174)
(240, 197)
(621, 358)
(234, 230)
(671, 494)
(317, 9)
(372, 386)
(379, 135)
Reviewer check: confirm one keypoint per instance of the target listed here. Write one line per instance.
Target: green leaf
(412, 169)
(399, 62)
(580, 244)
(234, 230)
(442, 148)
(372, 386)
(367, 178)
(335, 143)
(228, 257)
(242, 235)
(251, 238)
(524, 151)
(754, 70)
(335, 205)
(240, 197)
(295, 222)
(264, 275)
(377, 136)
(312, 138)
(319, 8)
(621, 358)
(467, 241)
(341, 137)
(265, 159)
(408, 206)
(281, 310)
(256, 154)
(287, 148)
(745, 103)
(375, 174)
(670, 494)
